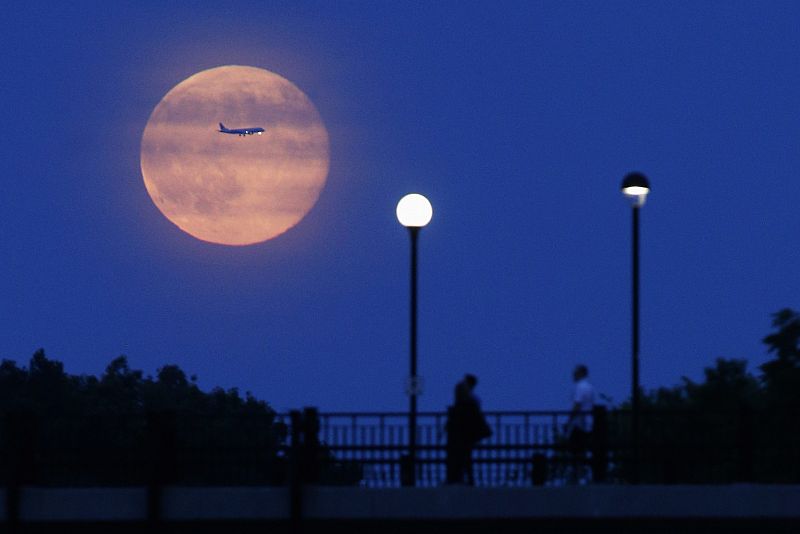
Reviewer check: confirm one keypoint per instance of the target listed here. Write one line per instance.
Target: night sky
(518, 120)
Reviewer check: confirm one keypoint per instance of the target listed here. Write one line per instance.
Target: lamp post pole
(413, 211)
(635, 348)
(412, 409)
(636, 187)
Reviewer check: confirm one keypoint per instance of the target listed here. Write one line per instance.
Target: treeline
(124, 427)
(729, 385)
(735, 425)
(127, 428)
(43, 388)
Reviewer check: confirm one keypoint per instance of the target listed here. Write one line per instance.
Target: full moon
(234, 189)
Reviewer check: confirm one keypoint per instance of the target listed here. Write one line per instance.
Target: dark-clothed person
(466, 426)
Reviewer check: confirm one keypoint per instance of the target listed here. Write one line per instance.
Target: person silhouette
(465, 427)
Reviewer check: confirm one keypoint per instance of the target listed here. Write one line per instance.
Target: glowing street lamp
(413, 211)
(636, 187)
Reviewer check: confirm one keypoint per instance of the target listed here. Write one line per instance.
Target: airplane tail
(222, 127)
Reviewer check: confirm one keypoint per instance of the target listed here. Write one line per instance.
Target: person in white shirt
(579, 425)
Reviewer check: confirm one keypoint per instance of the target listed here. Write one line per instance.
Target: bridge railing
(532, 448)
(378, 442)
(369, 449)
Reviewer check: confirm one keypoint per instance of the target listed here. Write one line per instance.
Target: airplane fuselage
(240, 131)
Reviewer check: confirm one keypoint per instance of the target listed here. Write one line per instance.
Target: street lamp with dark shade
(636, 187)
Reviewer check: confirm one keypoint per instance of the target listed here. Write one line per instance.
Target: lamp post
(636, 187)
(413, 211)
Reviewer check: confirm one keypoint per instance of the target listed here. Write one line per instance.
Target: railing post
(599, 444)
(539, 469)
(295, 474)
(161, 449)
(311, 449)
(406, 470)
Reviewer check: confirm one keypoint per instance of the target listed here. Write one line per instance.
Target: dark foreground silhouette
(125, 428)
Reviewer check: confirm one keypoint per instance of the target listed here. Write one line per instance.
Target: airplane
(240, 131)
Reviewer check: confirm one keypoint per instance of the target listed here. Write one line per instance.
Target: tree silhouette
(125, 428)
(781, 376)
(91, 430)
(732, 426)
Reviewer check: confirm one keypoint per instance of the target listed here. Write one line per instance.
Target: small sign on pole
(414, 386)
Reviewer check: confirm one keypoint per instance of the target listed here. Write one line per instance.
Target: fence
(532, 448)
(368, 449)
(377, 444)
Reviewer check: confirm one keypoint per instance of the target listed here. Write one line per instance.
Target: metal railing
(155, 450)
(377, 443)
(533, 448)
(368, 449)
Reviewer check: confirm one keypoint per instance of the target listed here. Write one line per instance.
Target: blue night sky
(517, 119)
